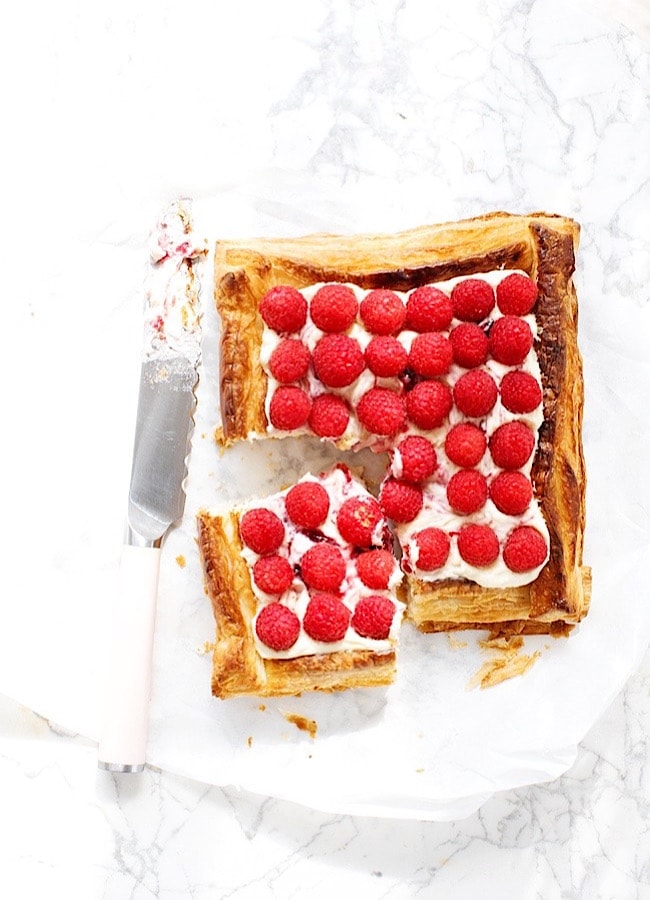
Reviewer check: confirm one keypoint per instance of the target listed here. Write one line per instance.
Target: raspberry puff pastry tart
(453, 348)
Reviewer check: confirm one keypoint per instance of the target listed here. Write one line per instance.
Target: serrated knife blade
(164, 423)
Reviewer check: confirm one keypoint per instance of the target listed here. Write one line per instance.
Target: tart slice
(303, 589)
(458, 334)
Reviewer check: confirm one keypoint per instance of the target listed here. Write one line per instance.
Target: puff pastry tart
(302, 585)
(453, 348)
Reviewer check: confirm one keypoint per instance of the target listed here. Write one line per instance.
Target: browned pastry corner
(237, 667)
(543, 246)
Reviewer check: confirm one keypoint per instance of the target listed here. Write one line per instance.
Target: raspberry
(261, 530)
(467, 491)
(465, 444)
(382, 312)
(469, 344)
(511, 445)
(326, 618)
(273, 574)
(329, 416)
(428, 309)
(358, 520)
(516, 295)
(338, 360)
(307, 504)
(375, 568)
(472, 299)
(284, 309)
(400, 501)
(289, 408)
(289, 361)
(373, 616)
(333, 307)
(415, 458)
(433, 549)
(277, 626)
(430, 354)
(475, 393)
(385, 356)
(520, 392)
(478, 545)
(381, 411)
(525, 549)
(322, 567)
(428, 404)
(511, 493)
(510, 340)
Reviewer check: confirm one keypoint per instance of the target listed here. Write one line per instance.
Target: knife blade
(164, 422)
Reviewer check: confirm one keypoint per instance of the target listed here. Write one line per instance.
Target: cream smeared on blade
(172, 311)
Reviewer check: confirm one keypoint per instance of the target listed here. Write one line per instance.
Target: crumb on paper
(262, 707)
(508, 662)
(302, 723)
(249, 740)
(208, 647)
(454, 642)
(181, 561)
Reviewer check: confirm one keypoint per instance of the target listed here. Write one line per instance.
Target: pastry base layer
(542, 245)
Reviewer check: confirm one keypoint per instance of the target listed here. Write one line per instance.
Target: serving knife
(164, 422)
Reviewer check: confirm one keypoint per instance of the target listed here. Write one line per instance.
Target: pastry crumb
(208, 647)
(454, 643)
(262, 707)
(249, 741)
(181, 561)
(508, 662)
(301, 722)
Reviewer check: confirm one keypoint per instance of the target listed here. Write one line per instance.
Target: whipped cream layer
(340, 486)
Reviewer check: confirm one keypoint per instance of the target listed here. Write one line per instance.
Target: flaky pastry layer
(542, 245)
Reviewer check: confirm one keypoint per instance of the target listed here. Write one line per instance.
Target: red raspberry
(467, 491)
(511, 493)
(428, 309)
(385, 356)
(428, 404)
(475, 393)
(465, 444)
(277, 626)
(333, 307)
(307, 504)
(469, 344)
(381, 411)
(338, 360)
(382, 312)
(510, 340)
(375, 568)
(323, 567)
(478, 545)
(261, 530)
(433, 549)
(400, 501)
(358, 521)
(516, 295)
(520, 392)
(415, 459)
(326, 618)
(284, 309)
(472, 299)
(289, 408)
(525, 549)
(273, 574)
(511, 445)
(289, 361)
(329, 416)
(430, 354)
(373, 616)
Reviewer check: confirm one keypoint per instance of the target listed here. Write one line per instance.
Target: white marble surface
(480, 105)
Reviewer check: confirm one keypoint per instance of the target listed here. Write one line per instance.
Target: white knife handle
(123, 743)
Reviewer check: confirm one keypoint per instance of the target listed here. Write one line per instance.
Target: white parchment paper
(486, 110)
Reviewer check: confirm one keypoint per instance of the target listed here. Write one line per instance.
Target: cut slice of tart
(303, 588)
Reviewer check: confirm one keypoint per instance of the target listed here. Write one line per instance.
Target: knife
(164, 422)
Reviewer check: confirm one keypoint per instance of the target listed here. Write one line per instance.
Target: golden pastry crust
(237, 667)
(542, 245)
